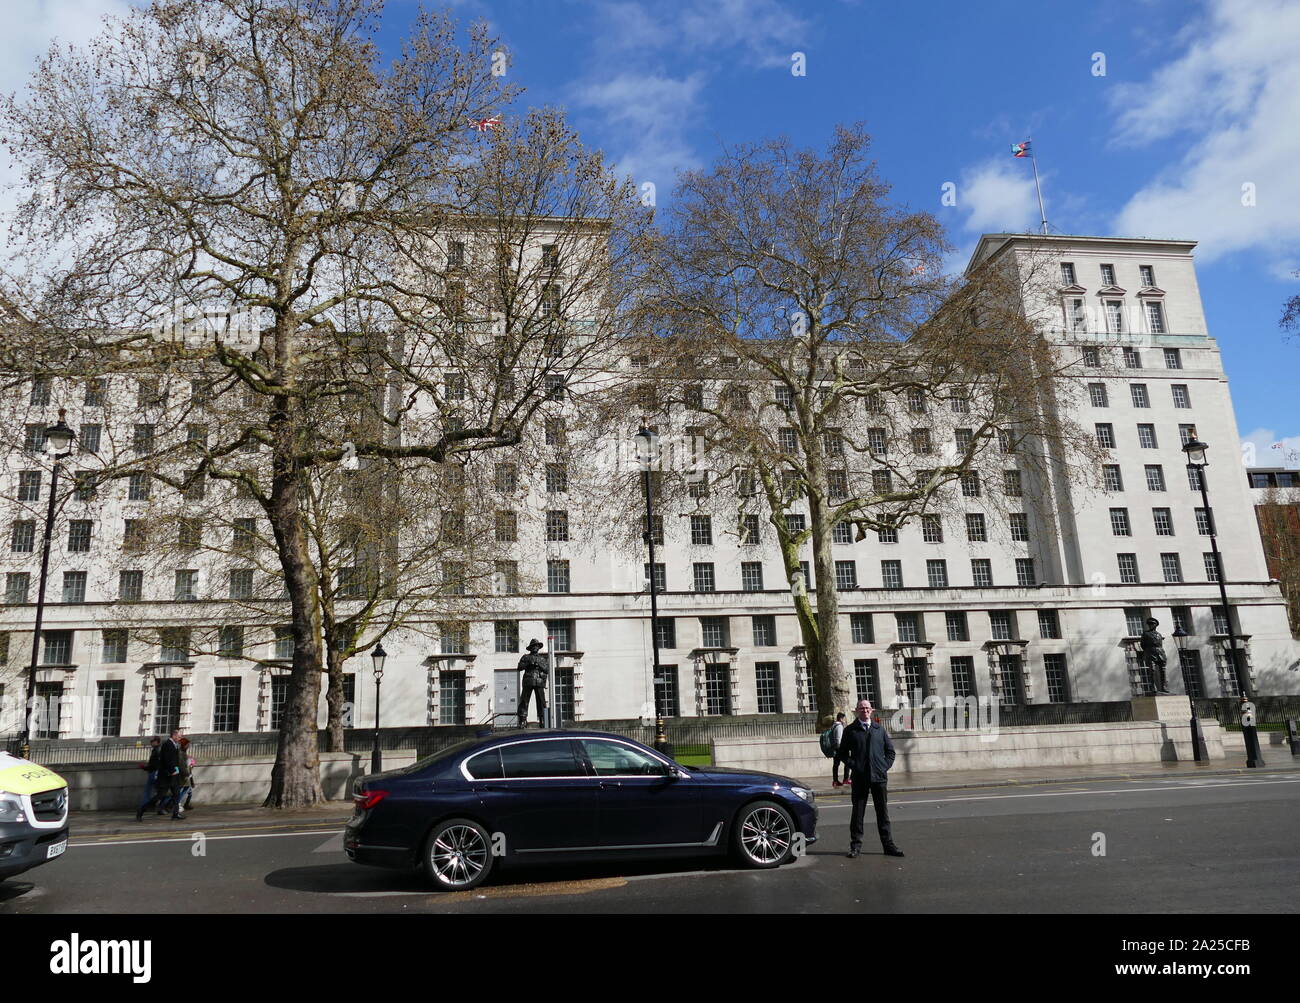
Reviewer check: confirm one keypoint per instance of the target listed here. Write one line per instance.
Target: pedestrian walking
(169, 775)
(837, 736)
(867, 751)
(187, 777)
(151, 773)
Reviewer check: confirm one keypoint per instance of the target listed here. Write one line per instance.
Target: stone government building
(1046, 609)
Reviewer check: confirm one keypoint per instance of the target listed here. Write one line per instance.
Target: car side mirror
(672, 772)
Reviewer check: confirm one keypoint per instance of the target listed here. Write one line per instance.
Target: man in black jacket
(169, 776)
(868, 753)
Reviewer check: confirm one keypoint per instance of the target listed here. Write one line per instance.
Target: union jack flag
(486, 124)
(1020, 150)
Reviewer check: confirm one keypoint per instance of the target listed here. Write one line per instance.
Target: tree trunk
(834, 688)
(334, 698)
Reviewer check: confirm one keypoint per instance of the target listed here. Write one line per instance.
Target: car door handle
(609, 785)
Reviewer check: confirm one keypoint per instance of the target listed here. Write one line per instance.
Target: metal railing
(1270, 712)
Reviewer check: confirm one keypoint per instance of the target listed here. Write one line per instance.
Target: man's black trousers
(879, 795)
(532, 686)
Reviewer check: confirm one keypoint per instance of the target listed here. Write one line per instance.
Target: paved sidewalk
(330, 814)
(1280, 759)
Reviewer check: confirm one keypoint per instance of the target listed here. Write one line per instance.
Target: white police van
(33, 815)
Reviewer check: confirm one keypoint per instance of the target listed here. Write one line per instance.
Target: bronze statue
(533, 667)
(1153, 655)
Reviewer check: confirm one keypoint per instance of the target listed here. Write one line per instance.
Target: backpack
(827, 740)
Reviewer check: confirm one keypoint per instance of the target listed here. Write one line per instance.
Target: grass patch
(693, 755)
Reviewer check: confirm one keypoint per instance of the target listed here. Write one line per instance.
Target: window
(34, 439)
(842, 532)
(506, 636)
(916, 400)
(554, 387)
(225, 703)
(1058, 683)
(887, 535)
(861, 630)
(1194, 477)
(751, 576)
(283, 644)
(1148, 274)
(1049, 623)
(130, 586)
(174, 645)
(230, 643)
(1107, 275)
(167, 706)
(557, 478)
(837, 484)
(1011, 483)
(1155, 317)
(882, 482)
(241, 583)
(1181, 398)
(79, 536)
(981, 572)
(1221, 623)
(865, 677)
(507, 478)
(1119, 524)
(557, 527)
(187, 585)
(524, 760)
(975, 528)
(108, 704)
(1006, 443)
(1171, 567)
(846, 575)
(660, 579)
(137, 487)
(717, 689)
(877, 443)
(891, 574)
(1140, 396)
(1000, 625)
(279, 696)
(1111, 477)
(554, 431)
(931, 529)
(702, 577)
(197, 488)
(1147, 436)
(1163, 520)
(1135, 620)
(666, 690)
(936, 574)
(83, 485)
(74, 586)
(921, 442)
(142, 441)
(784, 396)
(1019, 523)
(833, 442)
(17, 585)
(1128, 569)
(787, 440)
(1025, 576)
(560, 635)
(767, 682)
(956, 626)
(1181, 616)
(1132, 358)
(1211, 566)
(1193, 679)
(795, 523)
(963, 676)
(701, 530)
(1067, 273)
(189, 534)
(29, 485)
(1097, 395)
(667, 632)
(1091, 356)
(964, 438)
(713, 632)
(909, 628)
(875, 403)
(22, 536)
(749, 530)
(557, 576)
(656, 529)
(1115, 321)
(115, 647)
(1155, 477)
(764, 631)
(1173, 358)
(694, 397)
(1204, 524)
(550, 256)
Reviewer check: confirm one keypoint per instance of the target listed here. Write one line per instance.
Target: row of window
(1171, 568)
(1146, 273)
(1092, 357)
(1099, 396)
(1146, 435)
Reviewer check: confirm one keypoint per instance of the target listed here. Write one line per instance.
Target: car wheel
(458, 855)
(764, 835)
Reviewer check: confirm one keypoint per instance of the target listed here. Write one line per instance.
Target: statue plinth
(1172, 709)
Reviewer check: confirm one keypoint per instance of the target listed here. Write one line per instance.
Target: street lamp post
(1195, 450)
(645, 453)
(377, 657)
(58, 440)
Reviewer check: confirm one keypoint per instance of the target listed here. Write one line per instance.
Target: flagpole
(1033, 159)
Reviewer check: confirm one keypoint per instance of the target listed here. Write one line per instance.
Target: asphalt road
(1198, 844)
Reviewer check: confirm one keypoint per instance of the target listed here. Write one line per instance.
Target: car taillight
(368, 799)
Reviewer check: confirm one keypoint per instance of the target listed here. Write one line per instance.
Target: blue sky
(1197, 99)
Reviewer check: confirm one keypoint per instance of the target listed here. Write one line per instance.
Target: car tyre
(457, 855)
(763, 835)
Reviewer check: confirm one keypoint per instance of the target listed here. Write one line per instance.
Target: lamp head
(58, 437)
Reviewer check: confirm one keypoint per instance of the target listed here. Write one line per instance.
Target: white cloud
(1265, 448)
(1234, 96)
(998, 196)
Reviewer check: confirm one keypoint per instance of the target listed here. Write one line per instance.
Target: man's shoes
(139, 816)
(836, 783)
(893, 851)
(180, 815)
(853, 852)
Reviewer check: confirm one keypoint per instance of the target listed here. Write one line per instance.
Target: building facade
(1041, 605)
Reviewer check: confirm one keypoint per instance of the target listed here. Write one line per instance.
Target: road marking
(190, 838)
(1061, 794)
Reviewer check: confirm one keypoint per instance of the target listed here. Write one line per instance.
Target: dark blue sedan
(572, 796)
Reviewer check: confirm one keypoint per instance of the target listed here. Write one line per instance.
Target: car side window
(485, 766)
(555, 758)
(612, 759)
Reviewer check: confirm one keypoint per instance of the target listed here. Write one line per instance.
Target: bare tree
(823, 360)
(250, 159)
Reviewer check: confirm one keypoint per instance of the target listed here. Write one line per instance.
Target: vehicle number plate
(56, 850)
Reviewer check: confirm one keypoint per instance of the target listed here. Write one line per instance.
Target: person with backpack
(830, 743)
